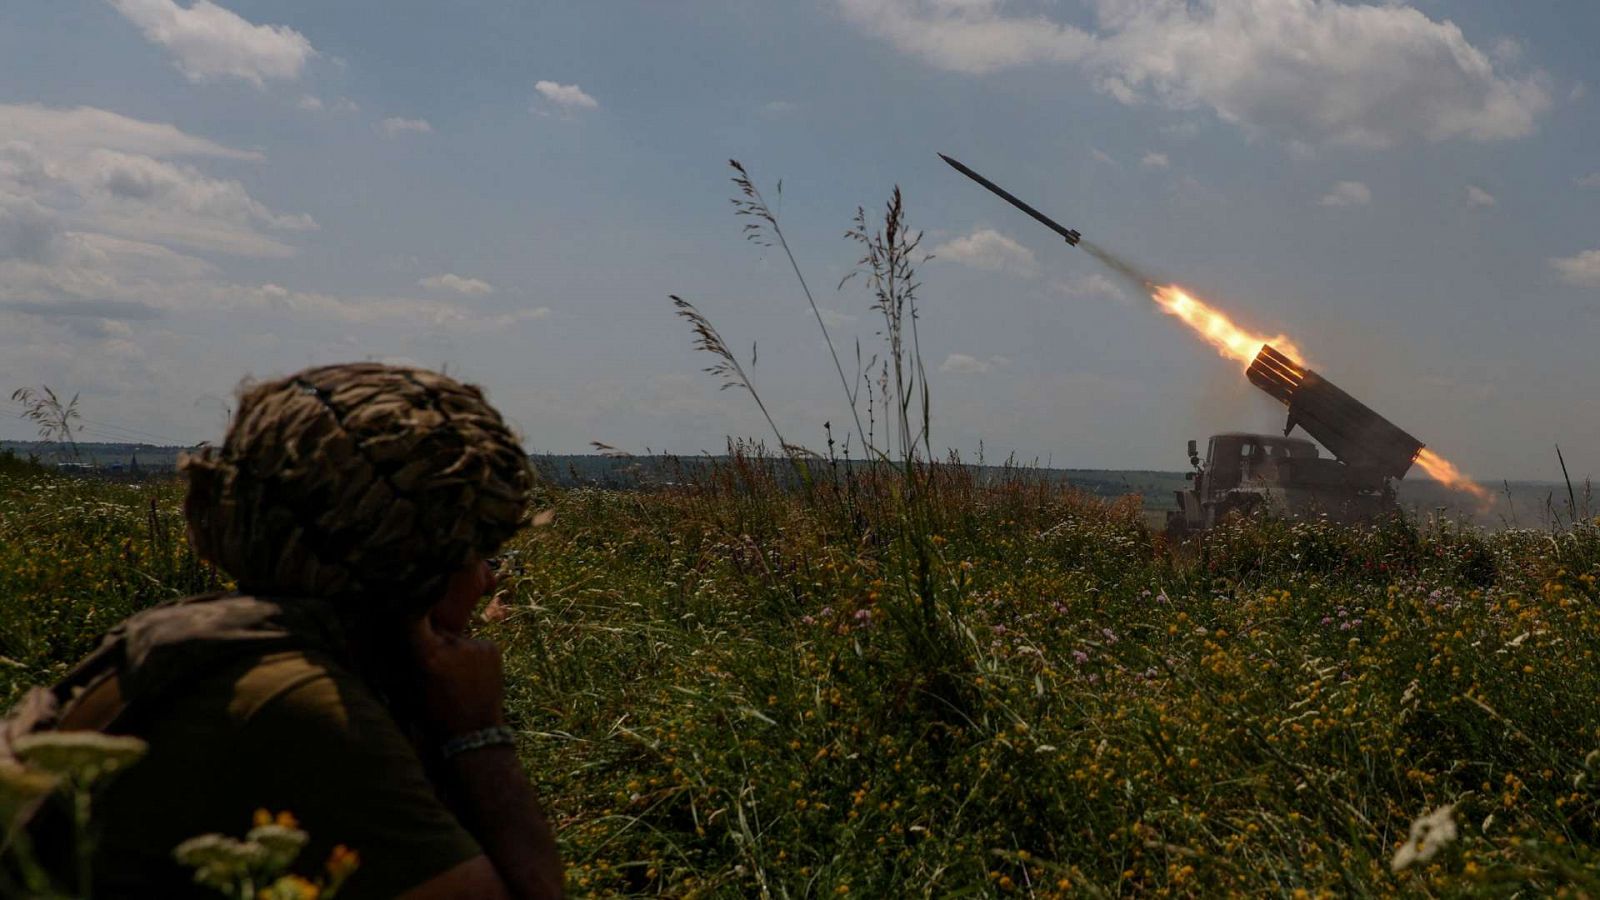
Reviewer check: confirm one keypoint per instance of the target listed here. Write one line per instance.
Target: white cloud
(777, 109)
(28, 231)
(353, 310)
(81, 274)
(964, 364)
(1365, 75)
(313, 103)
(566, 96)
(98, 291)
(1590, 181)
(506, 320)
(1582, 270)
(1506, 49)
(1155, 161)
(1478, 197)
(121, 180)
(209, 42)
(93, 205)
(449, 282)
(1347, 193)
(141, 197)
(83, 128)
(972, 36)
(986, 248)
(147, 181)
(147, 350)
(367, 309)
(1102, 156)
(398, 125)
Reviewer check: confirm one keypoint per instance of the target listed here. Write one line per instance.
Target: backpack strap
(96, 708)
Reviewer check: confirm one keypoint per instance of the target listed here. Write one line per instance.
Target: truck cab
(1287, 476)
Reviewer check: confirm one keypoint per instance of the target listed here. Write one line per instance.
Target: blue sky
(194, 194)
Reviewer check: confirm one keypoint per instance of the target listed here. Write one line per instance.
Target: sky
(195, 194)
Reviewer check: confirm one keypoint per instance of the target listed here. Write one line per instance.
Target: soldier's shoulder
(292, 677)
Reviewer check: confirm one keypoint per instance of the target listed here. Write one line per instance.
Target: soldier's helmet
(366, 484)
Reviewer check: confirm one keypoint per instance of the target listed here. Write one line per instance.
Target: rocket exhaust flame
(1445, 472)
(1231, 341)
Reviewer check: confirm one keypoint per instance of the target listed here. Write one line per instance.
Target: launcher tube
(1352, 432)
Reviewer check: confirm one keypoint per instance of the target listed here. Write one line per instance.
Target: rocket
(1072, 236)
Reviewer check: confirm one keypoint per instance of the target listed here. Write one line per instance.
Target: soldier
(356, 507)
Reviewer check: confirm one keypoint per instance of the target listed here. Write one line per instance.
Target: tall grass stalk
(764, 222)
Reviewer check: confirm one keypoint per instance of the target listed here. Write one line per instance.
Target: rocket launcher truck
(1288, 475)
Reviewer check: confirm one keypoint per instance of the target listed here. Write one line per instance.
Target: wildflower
(1429, 834)
(280, 844)
(81, 757)
(342, 863)
(290, 887)
(219, 861)
(284, 818)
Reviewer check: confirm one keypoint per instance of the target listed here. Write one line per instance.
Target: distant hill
(1524, 503)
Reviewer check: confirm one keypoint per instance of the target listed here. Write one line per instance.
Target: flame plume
(1445, 472)
(1231, 341)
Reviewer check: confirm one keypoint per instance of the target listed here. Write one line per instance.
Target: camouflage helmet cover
(361, 483)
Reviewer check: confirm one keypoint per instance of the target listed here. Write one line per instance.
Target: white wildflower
(82, 757)
(1429, 834)
(219, 861)
(282, 844)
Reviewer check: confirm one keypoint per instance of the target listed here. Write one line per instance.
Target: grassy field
(884, 687)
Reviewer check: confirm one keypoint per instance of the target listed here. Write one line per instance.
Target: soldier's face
(470, 584)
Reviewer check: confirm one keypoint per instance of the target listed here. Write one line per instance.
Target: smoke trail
(1119, 266)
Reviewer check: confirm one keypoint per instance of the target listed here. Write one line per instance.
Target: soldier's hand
(463, 681)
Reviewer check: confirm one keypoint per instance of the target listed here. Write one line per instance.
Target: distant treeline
(645, 472)
(615, 471)
(1527, 503)
(97, 457)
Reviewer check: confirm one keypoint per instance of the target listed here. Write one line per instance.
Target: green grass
(77, 556)
(729, 689)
